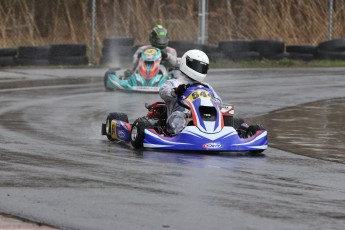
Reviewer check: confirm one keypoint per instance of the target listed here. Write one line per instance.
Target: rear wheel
(114, 116)
(138, 132)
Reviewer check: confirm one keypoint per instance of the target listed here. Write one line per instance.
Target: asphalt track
(57, 169)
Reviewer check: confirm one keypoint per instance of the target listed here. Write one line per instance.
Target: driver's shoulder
(171, 50)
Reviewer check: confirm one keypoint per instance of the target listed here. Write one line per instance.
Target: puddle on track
(315, 129)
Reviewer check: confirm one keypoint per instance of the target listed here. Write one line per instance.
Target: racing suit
(176, 120)
(169, 62)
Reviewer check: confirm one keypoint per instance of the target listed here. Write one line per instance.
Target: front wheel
(138, 132)
(252, 129)
(111, 117)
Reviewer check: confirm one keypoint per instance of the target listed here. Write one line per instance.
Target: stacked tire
(117, 51)
(301, 52)
(212, 52)
(33, 55)
(68, 54)
(238, 50)
(182, 46)
(8, 56)
(331, 50)
(270, 49)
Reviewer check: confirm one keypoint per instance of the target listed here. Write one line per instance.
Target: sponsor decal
(199, 94)
(212, 145)
(121, 134)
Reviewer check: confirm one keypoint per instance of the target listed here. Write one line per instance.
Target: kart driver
(193, 68)
(158, 39)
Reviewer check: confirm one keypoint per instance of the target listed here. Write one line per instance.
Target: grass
(37, 22)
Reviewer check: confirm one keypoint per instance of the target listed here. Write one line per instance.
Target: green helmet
(159, 37)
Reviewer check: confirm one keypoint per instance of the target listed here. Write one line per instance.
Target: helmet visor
(198, 66)
(161, 40)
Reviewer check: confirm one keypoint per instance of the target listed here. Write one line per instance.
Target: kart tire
(252, 129)
(138, 132)
(114, 116)
(241, 130)
(105, 80)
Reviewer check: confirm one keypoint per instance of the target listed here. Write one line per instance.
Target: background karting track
(57, 169)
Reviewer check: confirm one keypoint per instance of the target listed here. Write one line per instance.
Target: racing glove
(179, 91)
(164, 54)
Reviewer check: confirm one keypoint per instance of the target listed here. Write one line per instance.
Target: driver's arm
(167, 91)
(172, 56)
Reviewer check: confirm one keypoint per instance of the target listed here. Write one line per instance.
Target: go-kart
(209, 127)
(148, 76)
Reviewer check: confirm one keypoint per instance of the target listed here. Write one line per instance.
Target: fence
(39, 23)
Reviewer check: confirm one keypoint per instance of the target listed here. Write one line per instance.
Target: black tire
(125, 41)
(321, 55)
(182, 46)
(67, 50)
(252, 129)
(138, 132)
(332, 45)
(244, 56)
(279, 56)
(7, 61)
(120, 51)
(209, 48)
(32, 62)
(241, 130)
(105, 80)
(8, 52)
(33, 52)
(301, 56)
(215, 56)
(71, 60)
(268, 48)
(235, 46)
(304, 49)
(114, 116)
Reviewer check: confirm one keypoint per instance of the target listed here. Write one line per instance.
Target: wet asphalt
(57, 169)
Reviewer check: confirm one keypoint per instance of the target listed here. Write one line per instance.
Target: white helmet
(194, 64)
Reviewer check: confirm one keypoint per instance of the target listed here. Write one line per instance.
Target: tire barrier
(33, 55)
(182, 46)
(331, 50)
(7, 56)
(119, 51)
(301, 52)
(269, 49)
(68, 54)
